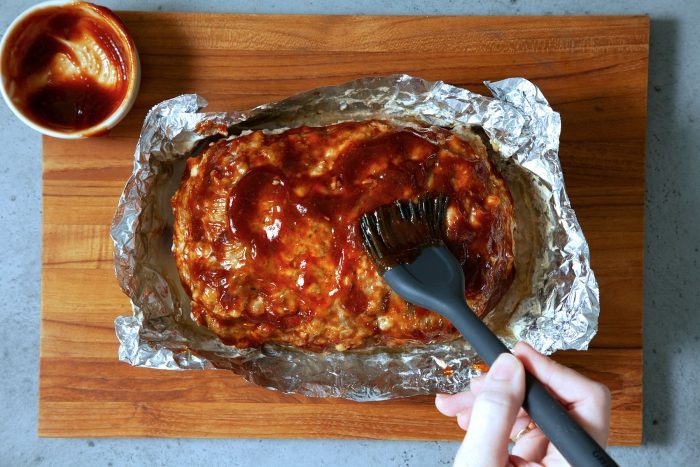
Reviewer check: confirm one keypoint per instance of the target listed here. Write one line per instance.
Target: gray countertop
(672, 315)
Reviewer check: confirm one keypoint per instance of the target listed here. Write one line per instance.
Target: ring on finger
(530, 426)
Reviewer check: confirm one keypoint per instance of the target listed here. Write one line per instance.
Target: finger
(493, 414)
(532, 446)
(459, 405)
(517, 461)
(476, 383)
(463, 419)
(451, 405)
(567, 384)
(586, 400)
(553, 457)
(521, 422)
(475, 387)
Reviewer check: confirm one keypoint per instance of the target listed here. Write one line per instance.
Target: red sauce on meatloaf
(267, 243)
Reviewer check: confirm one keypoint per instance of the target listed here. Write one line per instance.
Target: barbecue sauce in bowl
(69, 68)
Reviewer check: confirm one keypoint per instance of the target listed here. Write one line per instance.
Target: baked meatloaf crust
(267, 244)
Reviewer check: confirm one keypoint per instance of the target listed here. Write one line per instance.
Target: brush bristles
(394, 233)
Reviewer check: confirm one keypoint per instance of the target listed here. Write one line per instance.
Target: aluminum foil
(552, 304)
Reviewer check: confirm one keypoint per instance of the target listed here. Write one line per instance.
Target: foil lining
(553, 303)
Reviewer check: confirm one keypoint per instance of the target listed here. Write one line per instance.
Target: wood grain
(136, 407)
(592, 69)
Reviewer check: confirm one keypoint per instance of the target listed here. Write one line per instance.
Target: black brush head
(395, 233)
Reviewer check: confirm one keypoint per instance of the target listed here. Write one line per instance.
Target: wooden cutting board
(592, 69)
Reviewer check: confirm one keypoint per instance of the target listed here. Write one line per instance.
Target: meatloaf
(267, 244)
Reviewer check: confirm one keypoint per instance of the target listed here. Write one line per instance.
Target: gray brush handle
(574, 443)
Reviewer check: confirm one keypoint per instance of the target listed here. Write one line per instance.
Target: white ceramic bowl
(133, 81)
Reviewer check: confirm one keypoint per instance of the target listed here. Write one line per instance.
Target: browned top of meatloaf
(267, 243)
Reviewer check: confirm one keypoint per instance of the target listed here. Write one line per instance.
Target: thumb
(493, 415)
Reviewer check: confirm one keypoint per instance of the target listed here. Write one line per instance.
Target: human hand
(491, 411)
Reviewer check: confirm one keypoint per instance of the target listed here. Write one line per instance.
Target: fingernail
(503, 368)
